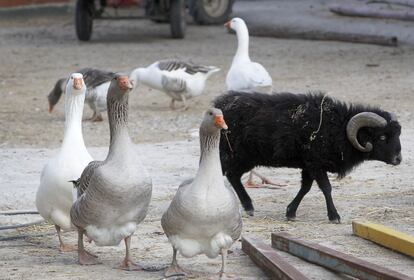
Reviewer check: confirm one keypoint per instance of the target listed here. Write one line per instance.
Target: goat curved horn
(364, 119)
(393, 117)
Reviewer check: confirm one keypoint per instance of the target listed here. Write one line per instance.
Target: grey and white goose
(180, 80)
(97, 83)
(204, 216)
(114, 194)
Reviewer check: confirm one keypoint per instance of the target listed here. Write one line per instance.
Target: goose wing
(95, 77)
(80, 213)
(171, 65)
(82, 183)
(172, 221)
(171, 84)
(258, 76)
(237, 228)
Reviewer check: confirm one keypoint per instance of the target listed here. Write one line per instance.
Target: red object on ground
(122, 3)
(14, 3)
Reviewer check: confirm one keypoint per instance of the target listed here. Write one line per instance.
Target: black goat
(309, 131)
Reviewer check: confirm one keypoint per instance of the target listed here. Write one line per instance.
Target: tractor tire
(211, 11)
(83, 20)
(177, 19)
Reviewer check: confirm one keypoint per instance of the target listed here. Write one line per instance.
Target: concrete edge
(37, 10)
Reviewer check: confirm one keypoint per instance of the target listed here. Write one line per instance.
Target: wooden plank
(269, 261)
(385, 236)
(333, 259)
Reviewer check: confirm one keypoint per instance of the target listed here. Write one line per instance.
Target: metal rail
(19, 212)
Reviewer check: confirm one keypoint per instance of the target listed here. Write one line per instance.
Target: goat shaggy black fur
(306, 131)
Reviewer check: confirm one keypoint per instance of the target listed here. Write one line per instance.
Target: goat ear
(365, 135)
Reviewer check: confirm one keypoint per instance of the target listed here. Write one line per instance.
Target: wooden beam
(281, 30)
(385, 236)
(269, 261)
(333, 259)
(406, 3)
(344, 9)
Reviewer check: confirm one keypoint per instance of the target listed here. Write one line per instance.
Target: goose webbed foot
(86, 258)
(96, 117)
(129, 265)
(223, 275)
(265, 181)
(64, 248)
(175, 270)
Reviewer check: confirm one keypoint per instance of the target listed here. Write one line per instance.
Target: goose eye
(383, 138)
(210, 113)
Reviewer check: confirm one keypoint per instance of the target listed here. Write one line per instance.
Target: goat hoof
(291, 219)
(335, 220)
(250, 212)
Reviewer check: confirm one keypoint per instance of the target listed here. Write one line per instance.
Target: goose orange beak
(219, 121)
(50, 108)
(124, 83)
(77, 83)
(227, 25)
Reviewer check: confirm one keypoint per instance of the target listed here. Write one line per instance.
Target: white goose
(54, 196)
(245, 75)
(178, 79)
(114, 194)
(204, 216)
(97, 83)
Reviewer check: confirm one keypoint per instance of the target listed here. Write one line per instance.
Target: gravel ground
(35, 52)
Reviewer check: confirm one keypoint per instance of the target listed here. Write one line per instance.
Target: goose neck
(210, 158)
(242, 53)
(137, 75)
(73, 119)
(118, 126)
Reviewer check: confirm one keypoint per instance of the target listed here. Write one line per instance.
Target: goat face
(385, 142)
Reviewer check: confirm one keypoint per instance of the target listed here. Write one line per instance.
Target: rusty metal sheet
(333, 259)
(269, 261)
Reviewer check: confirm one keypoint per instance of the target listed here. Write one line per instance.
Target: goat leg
(304, 189)
(246, 201)
(326, 188)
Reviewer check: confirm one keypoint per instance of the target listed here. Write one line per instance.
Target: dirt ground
(35, 52)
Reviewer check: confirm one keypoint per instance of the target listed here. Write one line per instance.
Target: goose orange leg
(174, 269)
(265, 181)
(62, 246)
(85, 258)
(127, 263)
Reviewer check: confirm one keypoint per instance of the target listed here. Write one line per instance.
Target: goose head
(76, 83)
(213, 121)
(136, 75)
(235, 24)
(120, 86)
(56, 93)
